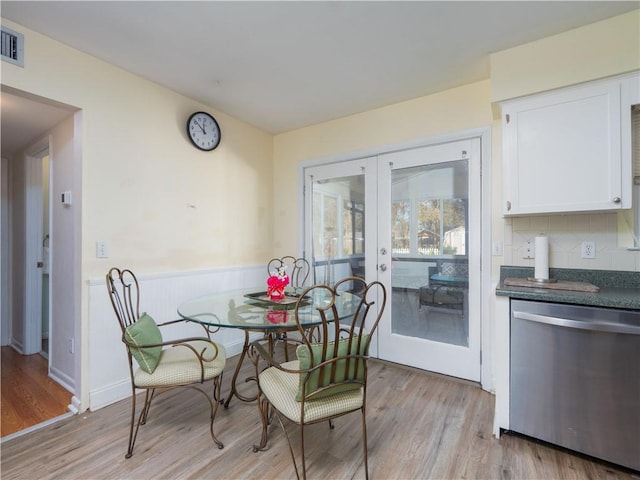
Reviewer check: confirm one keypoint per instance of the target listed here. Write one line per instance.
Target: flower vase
(276, 284)
(275, 293)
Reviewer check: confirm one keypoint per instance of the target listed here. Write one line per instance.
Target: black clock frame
(217, 127)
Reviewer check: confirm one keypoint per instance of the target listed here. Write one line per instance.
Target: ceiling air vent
(12, 46)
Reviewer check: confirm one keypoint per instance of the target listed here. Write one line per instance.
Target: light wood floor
(29, 396)
(420, 426)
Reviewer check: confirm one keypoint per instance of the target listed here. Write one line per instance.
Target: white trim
(62, 379)
(395, 147)
(5, 270)
(183, 273)
(36, 427)
(75, 405)
(33, 254)
(502, 334)
(108, 394)
(487, 288)
(80, 331)
(484, 134)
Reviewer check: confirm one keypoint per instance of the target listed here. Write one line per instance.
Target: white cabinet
(567, 151)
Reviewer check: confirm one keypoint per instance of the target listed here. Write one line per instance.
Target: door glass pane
(400, 225)
(429, 234)
(338, 228)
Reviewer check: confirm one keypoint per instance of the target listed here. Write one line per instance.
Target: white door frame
(33, 254)
(486, 293)
(355, 167)
(462, 361)
(5, 291)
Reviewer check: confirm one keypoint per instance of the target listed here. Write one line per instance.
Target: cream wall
(594, 51)
(163, 207)
(454, 110)
(160, 204)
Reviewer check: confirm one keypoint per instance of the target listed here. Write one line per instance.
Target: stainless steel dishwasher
(575, 378)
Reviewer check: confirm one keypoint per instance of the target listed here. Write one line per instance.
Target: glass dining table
(252, 311)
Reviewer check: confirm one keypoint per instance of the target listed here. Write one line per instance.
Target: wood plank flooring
(28, 395)
(420, 426)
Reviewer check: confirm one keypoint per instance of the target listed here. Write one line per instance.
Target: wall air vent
(12, 47)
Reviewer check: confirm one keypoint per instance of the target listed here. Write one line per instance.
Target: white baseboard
(62, 378)
(109, 394)
(74, 406)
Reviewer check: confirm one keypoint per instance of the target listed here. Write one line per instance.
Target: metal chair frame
(124, 293)
(298, 269)
(329, 330)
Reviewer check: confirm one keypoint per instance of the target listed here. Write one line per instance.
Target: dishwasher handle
(598, 326)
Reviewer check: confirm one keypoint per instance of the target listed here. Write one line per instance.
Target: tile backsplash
(566, 234)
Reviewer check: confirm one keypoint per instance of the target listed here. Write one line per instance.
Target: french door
(410, 219)
(336, 196)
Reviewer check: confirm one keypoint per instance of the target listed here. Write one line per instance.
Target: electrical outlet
(101, 250)
(529, 250)
(589, 249)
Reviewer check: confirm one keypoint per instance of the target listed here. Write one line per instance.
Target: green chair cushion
(281, 387)
(180, 366)
(145, 332)
(308, 359)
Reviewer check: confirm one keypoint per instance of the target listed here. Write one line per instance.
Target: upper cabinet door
(562, 151)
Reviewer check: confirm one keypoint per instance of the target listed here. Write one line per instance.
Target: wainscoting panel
(160, 296)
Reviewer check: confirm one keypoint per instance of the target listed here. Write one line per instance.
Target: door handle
(383, 267)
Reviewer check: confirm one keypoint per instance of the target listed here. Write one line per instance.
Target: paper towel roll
(542, 258)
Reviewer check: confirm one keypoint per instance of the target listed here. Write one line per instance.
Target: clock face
(203, 131)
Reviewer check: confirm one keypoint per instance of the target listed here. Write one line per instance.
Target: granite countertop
(617, 289)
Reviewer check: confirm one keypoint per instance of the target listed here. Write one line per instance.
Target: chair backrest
(124, 293)
(298, 269)
(337, 350)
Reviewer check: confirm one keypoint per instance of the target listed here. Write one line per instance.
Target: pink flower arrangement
(276, 284)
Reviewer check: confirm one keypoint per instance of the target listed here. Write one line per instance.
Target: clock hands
(203, 131)
(201, 127)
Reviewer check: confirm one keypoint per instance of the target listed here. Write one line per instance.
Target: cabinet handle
(508, 206)
(616, 199)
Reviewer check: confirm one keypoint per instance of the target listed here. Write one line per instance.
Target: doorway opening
(39, 243)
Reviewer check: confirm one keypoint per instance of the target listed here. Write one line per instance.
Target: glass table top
(250, 310)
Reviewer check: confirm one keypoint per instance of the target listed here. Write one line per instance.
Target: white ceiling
(285, 65)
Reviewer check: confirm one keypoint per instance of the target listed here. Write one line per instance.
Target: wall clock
(203, 131)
